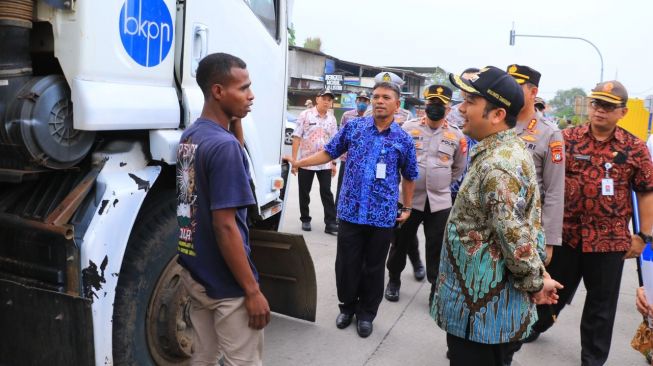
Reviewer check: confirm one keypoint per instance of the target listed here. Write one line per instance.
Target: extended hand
(258, 310)
(636, 247)
(642, 304)
(403, 217)
(292, 162)
(548, 295)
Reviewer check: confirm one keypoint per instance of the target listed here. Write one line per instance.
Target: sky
(459, 34)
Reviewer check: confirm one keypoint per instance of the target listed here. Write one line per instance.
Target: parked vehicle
(94, 96)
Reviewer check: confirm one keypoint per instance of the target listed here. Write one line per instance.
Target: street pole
(513, 35)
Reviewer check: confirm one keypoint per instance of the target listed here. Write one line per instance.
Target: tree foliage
(563, 102)
(313, 43)
(292, 41)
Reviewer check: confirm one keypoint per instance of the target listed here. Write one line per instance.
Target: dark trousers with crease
(463, 352)
(305, 181)
(405, 242)
(601, 275)
(361, 253)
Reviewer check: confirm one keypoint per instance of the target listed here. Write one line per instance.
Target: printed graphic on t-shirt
(186, 197)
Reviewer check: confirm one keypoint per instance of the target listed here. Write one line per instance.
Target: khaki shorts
(221, 329)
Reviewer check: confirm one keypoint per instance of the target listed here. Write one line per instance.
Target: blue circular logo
(146, 31)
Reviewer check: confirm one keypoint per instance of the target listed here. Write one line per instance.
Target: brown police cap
(524, 74)
(610, 91)
(440, 92)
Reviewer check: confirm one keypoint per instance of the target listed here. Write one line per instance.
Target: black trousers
(463, 352)
(601, 274)
(341, 173)
(305, 179)
(360, 256)
(405, 242)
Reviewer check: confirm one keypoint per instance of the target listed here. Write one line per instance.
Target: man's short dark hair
(388, 85)
(511, 120)
(216, 69)
(470, 70)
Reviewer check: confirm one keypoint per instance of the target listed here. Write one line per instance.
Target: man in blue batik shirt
(379, 154)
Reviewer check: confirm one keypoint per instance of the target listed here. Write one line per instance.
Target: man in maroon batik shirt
(603, 163)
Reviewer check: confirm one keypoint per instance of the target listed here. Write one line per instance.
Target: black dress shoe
(331, 229)
(392, 291)
(343, 320)
(364, 328)
(419, 271)
(306, 226)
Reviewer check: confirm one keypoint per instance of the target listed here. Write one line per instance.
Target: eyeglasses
(607, 107)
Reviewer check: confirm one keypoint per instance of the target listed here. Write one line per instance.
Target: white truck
(94, 95)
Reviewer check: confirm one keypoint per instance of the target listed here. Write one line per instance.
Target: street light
(513, 35)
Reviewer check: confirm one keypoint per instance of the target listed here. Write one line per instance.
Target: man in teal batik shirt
(491, 267)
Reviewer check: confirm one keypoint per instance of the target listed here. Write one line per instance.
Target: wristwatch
(646, 238)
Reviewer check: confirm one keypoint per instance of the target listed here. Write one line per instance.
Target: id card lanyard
(380, 165)
(607, 184)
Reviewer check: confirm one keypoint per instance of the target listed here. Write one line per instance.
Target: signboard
(334, 82)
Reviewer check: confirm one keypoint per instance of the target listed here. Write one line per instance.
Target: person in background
(315, 127)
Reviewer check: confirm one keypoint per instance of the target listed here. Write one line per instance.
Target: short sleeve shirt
(592, 219)
(364, 197)
(441, 157)
(315, 131)
(212, 174)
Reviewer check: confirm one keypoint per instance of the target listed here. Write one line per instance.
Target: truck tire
(151, 325)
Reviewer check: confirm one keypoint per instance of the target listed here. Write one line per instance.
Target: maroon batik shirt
(596, 221)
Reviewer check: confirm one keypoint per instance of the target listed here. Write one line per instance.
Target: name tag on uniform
(607, 187)
(380, 171)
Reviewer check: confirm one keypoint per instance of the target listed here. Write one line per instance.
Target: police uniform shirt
(441, 158)
(544, 140)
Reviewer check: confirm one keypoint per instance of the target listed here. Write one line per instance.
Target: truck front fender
(122, 186)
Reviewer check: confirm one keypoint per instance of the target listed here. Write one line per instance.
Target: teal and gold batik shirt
(493, 247)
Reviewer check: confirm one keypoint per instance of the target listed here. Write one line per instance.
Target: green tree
(440, 76)
(563, 102)
(291, 35)
(313, 43)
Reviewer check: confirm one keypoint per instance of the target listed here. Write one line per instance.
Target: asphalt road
(404, 333)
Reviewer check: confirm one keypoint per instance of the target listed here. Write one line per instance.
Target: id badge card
(607, 187)
(380, 171)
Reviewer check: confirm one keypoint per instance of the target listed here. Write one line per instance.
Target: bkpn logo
(146, 32)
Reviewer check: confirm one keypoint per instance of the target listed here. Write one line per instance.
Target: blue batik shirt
(364, 198)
